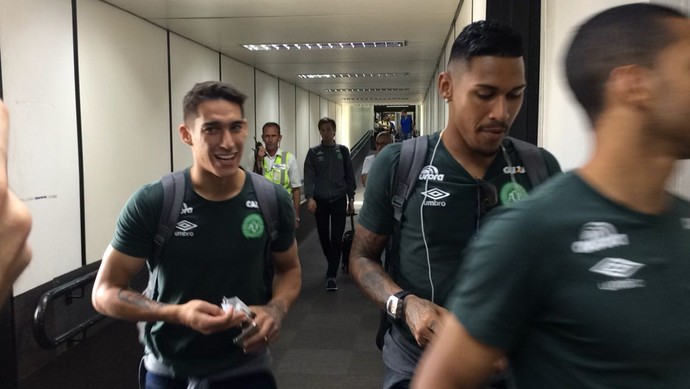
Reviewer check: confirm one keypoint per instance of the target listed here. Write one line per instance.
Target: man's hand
(268, 318)
(424, 318)
(208, 318)
(311, 205)
(351, 207)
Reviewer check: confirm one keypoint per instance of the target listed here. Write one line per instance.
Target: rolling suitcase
(348, 236)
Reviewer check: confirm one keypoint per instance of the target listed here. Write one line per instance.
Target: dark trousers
(253, 381)
(330, 223)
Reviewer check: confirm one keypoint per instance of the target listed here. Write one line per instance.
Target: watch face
(392, 306)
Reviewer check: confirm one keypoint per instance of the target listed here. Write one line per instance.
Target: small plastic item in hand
(238, 304)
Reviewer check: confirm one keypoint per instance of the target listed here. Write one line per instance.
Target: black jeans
(330, 223)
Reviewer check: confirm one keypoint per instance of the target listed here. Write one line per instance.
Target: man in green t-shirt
(218, 249)
(469, 168)
(585, 284)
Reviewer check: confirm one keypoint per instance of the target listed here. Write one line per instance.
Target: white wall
(287, 118)
(43, 160)
(190, 64)
(124, 108)
(241, 76)
(302, 125)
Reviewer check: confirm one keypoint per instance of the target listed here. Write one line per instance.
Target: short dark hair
(625, 35)
(486, 38)
(325, 120)
(270, 124)
(211, 90)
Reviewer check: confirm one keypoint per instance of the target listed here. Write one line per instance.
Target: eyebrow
(493, 88)
(219, 122)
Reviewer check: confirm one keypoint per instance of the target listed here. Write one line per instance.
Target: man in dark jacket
(329, 181)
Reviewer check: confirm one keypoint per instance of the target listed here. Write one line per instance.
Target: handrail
(361, 142)
(63, 290)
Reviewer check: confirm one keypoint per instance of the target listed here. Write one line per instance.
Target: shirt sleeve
(309, 175)
(376, 214)
(293, 172)
(366, 165)
(138, 221)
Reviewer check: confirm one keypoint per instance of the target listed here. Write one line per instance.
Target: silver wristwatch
(395, 306)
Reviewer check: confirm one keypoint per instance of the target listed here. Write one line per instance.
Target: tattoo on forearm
(137, 299)
(368, 272)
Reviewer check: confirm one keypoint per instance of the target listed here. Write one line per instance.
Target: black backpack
(410, 164)
(173, 196)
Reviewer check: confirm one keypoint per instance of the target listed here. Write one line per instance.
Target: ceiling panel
(225, 25)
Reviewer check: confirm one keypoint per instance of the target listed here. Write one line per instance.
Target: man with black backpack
(430, 193)
(231, 234)
(329, 186)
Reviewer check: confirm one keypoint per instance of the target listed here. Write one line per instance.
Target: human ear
(632, 85)
(185, 134)
(445, 86)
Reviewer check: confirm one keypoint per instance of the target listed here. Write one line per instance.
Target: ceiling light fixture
(375, 98)
(338, 90)
(323, 46)
(352, 75)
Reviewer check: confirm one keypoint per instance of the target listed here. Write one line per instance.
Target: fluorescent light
(375, 98)
(349, 75)
(323, 45)
(338, 90)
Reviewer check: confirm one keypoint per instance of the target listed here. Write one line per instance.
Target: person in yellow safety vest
(279, 165)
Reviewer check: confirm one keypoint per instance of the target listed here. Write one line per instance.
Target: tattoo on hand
(137, 299)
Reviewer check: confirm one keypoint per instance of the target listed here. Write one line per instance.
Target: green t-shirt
(450, 212)
(581, 291)
(218, 249)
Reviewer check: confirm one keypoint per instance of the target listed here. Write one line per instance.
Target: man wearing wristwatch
(329, 186)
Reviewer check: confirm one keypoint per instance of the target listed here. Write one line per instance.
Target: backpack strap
(173, 196)
(267, 198)
(268, 203)
(532, 160)
(410, 163)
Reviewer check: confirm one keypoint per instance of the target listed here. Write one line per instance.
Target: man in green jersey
(585, 284)
(218, 250)
(280, 166)
(469, 168)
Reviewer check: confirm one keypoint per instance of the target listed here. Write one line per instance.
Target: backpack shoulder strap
(268, 203)
(532, 159)
(410, 163)
(173, 196)
(267, 198)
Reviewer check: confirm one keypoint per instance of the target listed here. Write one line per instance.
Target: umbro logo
(435, 194)
(616, 267)
(430, 173)
(185, 227)
(597, 236)
(186, 210)
(621, 269)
